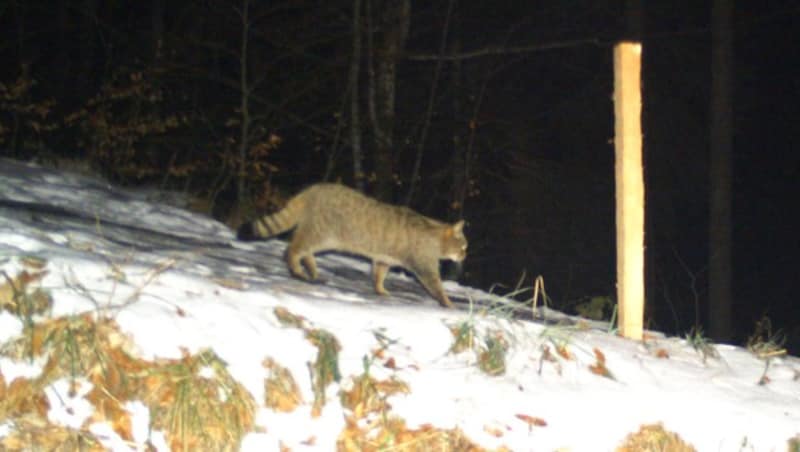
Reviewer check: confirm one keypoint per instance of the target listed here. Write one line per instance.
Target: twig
(487, 51)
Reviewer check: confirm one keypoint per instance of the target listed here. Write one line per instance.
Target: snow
(176, 281)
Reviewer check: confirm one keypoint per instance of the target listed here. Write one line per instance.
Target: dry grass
(490, 352)
(393, 435)
(280, 388)
(325, 369)
(794, 444)
(18, 294)
(464, 337)
(653, 438)
(764, 342)
(35, 433)
(371, 427)
(197, 410)
(492, 356)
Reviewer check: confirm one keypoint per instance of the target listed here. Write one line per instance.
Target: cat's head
(454, 243)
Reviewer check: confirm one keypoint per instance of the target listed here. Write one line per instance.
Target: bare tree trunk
(429, 110)
(88, 47)
(63, 58)
(157, 42)
(394, 21)
(337, 136)
(24, 71)
(719, 233)
(157, 23)
(244, 138)
(458, 160)
(634, 19)
(19, 19)
(355, 115)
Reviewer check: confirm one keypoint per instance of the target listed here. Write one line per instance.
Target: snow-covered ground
(177, 282)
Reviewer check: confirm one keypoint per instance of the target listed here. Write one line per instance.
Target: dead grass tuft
(464, 337)
(18, 294)
(280, 388)
(794, 444)
(325, 369)
(653, 438)
(393, 435)
(370, 427)
(205, 410)
(490, 352)
(492, 357)
(34, 433)
(194, 400)
(369, 395)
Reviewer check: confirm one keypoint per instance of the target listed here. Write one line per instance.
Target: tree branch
(487, 51)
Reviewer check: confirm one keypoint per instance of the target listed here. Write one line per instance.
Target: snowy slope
(177, 282)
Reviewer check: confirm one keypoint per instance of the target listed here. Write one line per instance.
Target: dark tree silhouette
(355, 115)
(393, 19)
(719, 231)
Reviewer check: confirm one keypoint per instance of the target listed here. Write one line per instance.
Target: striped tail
(272, 225)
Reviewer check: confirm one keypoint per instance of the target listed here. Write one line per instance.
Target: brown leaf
(390, 364)
(15, 287)
(34, 263)
(229, 283)
(22, 396)
(532, 421)
(563, 351)
(599, 368)
(281, 391)
(26, 278)
(492, 430)
(601, 358)
(287, 318)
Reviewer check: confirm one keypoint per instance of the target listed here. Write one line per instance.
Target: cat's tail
(271, 225)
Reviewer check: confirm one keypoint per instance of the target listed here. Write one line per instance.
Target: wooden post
(629, 188)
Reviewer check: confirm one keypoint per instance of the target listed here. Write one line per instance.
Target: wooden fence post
(629, 188)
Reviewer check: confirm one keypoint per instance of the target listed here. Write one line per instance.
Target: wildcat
(332, 217)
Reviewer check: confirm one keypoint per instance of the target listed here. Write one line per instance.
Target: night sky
(540, 123)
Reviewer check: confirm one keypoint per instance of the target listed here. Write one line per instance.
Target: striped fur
(279, 222)
(331, 217)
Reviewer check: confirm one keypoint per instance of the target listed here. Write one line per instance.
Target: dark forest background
(497, 112)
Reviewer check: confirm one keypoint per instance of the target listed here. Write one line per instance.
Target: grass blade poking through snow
(325, 369)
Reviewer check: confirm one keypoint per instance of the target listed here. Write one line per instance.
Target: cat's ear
(454, 230)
